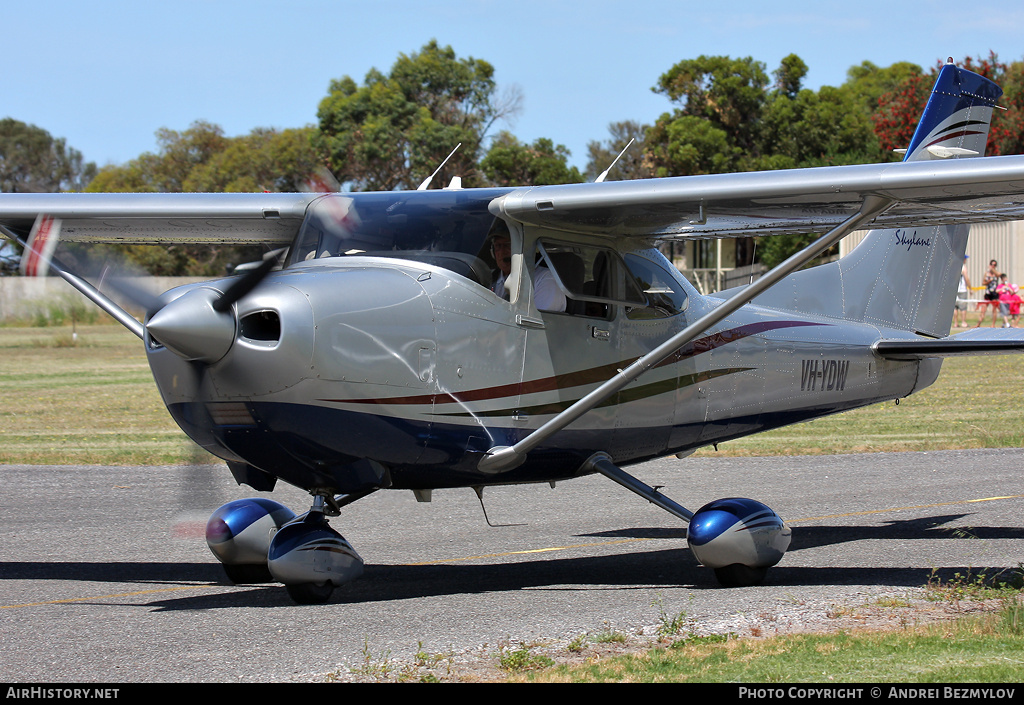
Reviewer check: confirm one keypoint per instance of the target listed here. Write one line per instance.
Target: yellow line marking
(520, 553)
(901, 509)
(108, 597)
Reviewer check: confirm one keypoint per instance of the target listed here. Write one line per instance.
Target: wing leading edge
(778, 202)
(162, 218)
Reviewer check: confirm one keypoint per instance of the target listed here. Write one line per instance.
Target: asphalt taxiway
(105, 575)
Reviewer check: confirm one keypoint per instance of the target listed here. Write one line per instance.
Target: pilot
(546, 294)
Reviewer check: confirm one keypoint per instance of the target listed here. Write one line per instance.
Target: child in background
(1015, 301)
(1009, 302)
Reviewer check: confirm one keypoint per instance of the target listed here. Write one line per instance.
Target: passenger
(546, 294)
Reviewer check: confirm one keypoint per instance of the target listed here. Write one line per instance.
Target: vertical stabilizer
(906, 278)
(956, 119)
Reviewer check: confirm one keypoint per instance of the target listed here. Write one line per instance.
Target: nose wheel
(311, 558)
(310, 593)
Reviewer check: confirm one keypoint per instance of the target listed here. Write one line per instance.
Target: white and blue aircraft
(379, 355)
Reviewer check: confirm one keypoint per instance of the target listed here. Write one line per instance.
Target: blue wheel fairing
(738, 530)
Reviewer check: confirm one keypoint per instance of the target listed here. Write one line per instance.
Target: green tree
(509, 162)
(682, 145)
(263, 160)
(1008, 126)
(168, 170)
(811, 128)
(395, 129)
(868, 82)
(201, 158)
(899, 111)
(789, 77)
(730, 118)
(33, 161)
(727, 93)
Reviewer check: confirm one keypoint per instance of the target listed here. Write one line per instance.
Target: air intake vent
(263, 326)
(230, 414)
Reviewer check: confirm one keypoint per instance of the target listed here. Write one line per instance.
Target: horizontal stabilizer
(977, 341)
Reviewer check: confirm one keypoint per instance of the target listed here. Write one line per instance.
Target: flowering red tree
(899, 110)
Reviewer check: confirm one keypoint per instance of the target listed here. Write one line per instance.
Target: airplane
(370, 351)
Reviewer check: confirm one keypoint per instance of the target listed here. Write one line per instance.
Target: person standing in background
(962, 296)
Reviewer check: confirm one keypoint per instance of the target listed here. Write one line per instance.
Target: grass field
(85, 401)
(982, 649)
(92, 400)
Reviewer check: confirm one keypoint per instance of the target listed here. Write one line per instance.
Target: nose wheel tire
(310, 593)
(248, 574)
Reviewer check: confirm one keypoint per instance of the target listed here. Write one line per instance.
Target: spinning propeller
(199, 326)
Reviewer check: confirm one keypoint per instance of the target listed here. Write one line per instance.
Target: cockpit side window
(591, 278)
(663, 293)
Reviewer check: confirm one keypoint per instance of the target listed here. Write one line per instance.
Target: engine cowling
(239, 535)
(739, 538)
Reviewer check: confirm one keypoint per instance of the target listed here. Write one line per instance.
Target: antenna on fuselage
(480, 496)
(604, 174)
(426, 181)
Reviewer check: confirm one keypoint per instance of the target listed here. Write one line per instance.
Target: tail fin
(956, 119)
(906, 278)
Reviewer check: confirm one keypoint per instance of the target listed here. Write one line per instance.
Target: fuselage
(365, 370)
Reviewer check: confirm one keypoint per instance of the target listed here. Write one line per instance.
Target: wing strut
(88, 290)
(502, 458)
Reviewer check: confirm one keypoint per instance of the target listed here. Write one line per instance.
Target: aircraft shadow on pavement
(660, 569)
(638, 569)
(810, 536)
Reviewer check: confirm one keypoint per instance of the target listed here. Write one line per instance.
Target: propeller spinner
(200, 326)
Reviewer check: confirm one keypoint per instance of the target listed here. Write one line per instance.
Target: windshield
(443, 228)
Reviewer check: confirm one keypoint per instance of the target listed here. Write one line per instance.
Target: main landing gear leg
(740, 539)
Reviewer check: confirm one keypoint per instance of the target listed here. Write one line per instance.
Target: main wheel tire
(739, 575)
(311, 593)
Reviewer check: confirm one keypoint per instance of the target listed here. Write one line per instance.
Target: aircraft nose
(192, 328)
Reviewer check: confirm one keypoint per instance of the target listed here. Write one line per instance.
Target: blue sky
(105, 75)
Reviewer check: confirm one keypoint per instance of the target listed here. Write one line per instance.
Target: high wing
(778, 202)
(688, 207)
(162, 218)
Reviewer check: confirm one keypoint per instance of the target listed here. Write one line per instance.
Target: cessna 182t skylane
(378, 357)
